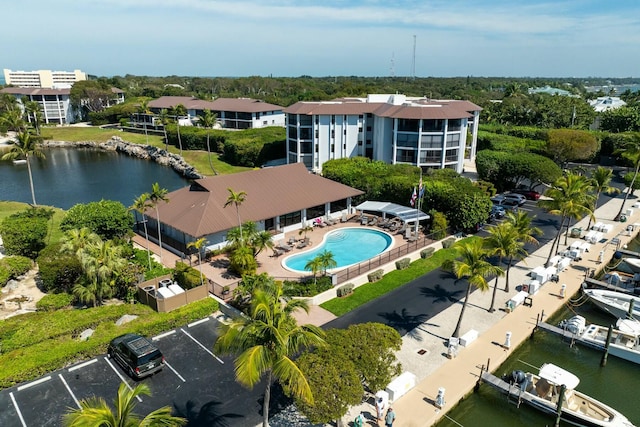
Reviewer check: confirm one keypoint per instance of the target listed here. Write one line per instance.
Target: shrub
(345, 290)
(375, 275)
(448, 242)
(309, 288)
(12, 267)
(107, 218)
(24, 233)
(187, 277)
(403, 263)
(52, 302)
(58, 271)
(439, 225)
(426, 252)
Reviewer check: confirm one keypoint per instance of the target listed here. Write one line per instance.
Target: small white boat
(19, 162)
(542, 391)
(624, 338)
(633, 263)
(615, 303)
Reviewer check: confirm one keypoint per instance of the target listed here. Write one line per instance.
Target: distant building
(393, 128)
(233, 113)
(552, 91)
(43, 78)
(605, 103)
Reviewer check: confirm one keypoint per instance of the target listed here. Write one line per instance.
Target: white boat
(633, 263)
(542, 391)
(19, 162)
(624, 338)
(615, 303)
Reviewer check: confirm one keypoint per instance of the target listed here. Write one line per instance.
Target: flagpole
(418, 203)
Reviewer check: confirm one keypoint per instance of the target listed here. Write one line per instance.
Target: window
(315, 211)
(451, 155)
(257, 115)
(454, 125)
(407, 140)
(338, 205)
(333, 148)
(368, 128)
(290, 218)
(306, 147)
(453, 140)
(333, 133)
(408, 125)
(293, 145)
(344, 132)
(431, 141)
(360, 129)
(432, 125)
(333, 120)
(264, 122)
(305, 133)
(292, 132)
(430, 156)
(406, 156)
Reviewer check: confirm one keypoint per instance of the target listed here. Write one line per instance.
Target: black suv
(136, 354)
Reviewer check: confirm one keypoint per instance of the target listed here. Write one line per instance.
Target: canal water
(80, 175)
(616, 384)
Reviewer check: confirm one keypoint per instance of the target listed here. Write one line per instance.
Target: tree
(521, 222)
(327, 261)
(156, 196)
(109, 219)
(25, 147)
(314, 265)
(90, 95)
(208, 120)
(305, 229)
(473, 266)
(569, 144)
(141, 204)
(503, 241)
(236, 198)
(144, 109)
(11, 119)
(600, 180)
(179, 110)
(101, 263)
(198, 245)
(570, 197)
(24, 233)
(630, 151)
(164, 119)
(76, 240)
(265, 343)
(335, 383)
(95, 411)
(58, 271)
(242, 261)
(34, 111)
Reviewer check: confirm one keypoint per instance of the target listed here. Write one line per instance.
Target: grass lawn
(389, 282)
(9, 208)
(196, 158)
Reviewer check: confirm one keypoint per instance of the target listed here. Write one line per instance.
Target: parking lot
(197, 383)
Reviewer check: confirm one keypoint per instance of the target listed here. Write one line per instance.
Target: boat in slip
(623, 343)
(633, 263)
(554, 388)
(618, 304)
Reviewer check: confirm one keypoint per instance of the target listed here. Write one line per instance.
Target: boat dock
(594, 283)
(505, 388)
(569, 336)
(629, 253)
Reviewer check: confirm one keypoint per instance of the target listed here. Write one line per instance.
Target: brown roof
(198, 210)
(35, 91)
(242, 105)
(415, 109)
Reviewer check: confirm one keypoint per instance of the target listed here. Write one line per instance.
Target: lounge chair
(373, 221)
(283, 246)
(364, 220)
(277, 252)
(403, 228)
(344, 217)
(292, 240)
(304, 243)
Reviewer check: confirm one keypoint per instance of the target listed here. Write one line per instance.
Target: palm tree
(305, 229)
(179, 110)
(265, 342)
(101, 262)
(600, 180)
(260, 241)
(12, 119)
(33, 109)
(208, 120)
(198, 245)
(521, 222)
(569, 197)
(236, 199)
(96, 412)
(76, 240)
(144, 109)
(473, 266)
(630, 151)
(25, 147)
(327, 261)
(314, 265)
(141, 204)
(156, 196)
(164, 119)
(503, 240)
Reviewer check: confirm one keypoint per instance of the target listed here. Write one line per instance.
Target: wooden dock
(569, 336)
(629, 253)
(514, 394)
(594, 283)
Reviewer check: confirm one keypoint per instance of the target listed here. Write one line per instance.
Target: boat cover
(559, 376)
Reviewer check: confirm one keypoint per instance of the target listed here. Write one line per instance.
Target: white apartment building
(392, 128)
(43, 78)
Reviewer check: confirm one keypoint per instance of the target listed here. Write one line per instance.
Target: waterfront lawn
(9, 208)
(390, 281)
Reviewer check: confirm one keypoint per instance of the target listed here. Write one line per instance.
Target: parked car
(515, 196)
(529, 194)
(507, 204)
(497, 212)
(136, 354)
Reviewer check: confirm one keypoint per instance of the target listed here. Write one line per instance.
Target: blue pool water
(348, 246)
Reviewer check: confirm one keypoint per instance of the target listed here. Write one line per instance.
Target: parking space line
(200, 344)
(69, 390)
(120, 376)
(36, 382)
(174, 371)
(197, 322)
(15, 404)
(166, 334)
(82, 365)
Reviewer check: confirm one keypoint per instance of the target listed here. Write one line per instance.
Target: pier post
(631, 308)
(603, 362)
(559, 409)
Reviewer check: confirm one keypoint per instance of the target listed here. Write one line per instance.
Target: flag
(420, 189)
(414, 196)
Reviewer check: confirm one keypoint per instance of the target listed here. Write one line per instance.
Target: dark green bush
(187, 277)
(109, 219)
(52, 302)
(307, 288)
(426, 252)
(375, 275)
(12, 267)
(448, 242)
(345, 290)
(58, 271)
(403, 263)
(24, 233)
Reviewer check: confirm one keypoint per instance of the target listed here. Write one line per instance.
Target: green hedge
(309, 288)
(53, 302)
(38, 343)
(345, 290)
(448, 242)
(12, 267)
(427, 252)
(187, 277)
(375, 275)
(403, 263)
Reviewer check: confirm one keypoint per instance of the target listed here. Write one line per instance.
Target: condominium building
(392, 128)
(43, 78)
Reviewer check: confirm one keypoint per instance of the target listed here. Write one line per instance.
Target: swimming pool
(348, 246)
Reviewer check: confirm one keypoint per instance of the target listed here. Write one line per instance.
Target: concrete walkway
(458, 376)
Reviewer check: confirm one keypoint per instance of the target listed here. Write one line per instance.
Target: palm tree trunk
(456, 332)
(239, 223)
(265, 404)
(595, 205)
(159, 233)
(179, 138)
(506, 287)
(200, 262)
(209, 155)
(495, 288)
(146, 236)
(626, 195)
(556, 240)
(166, 138)
(33, 193)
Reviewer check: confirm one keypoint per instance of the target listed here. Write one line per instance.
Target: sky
(290, 38)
